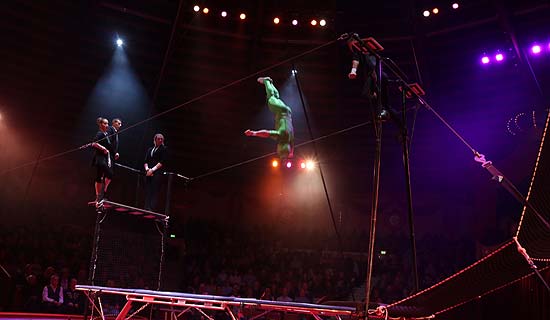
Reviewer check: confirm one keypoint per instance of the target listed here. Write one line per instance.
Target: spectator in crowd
(74, 300)
(267, 294)
(52, 295)
(32, 294)
(302, 296)
(284, 296)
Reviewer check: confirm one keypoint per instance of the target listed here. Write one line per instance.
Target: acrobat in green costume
(284, 132)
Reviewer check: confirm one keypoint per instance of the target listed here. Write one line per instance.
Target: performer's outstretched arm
(100, 147)
(354, 65)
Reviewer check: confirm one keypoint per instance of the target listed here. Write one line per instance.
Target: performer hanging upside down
(284, 132)
(361, 57)
(102, 159)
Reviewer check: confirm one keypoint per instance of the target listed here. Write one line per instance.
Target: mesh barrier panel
(128, 251)
(533, 234)
(501, 268)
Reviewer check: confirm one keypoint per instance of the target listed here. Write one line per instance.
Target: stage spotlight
(224, 14)
(294, 22)
(242, 16)
(535, 49)
(323, 22)
(455, 5)
(435, 10)
(499, 57)
(276, 20)
(294, 72)
(310, 165)
(196, 8)
(485, 60)
(205, 10)
(302, 165)
(313, 22)
(119, 42)
(275, 163)
(426, 13)
(289, 164)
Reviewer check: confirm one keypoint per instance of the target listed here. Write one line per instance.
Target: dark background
(60, 70)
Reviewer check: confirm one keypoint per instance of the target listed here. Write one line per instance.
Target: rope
(331, 211)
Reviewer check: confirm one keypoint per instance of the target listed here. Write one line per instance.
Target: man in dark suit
(155, 158)
(116, 124)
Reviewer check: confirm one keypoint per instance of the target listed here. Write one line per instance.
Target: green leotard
(284, 132)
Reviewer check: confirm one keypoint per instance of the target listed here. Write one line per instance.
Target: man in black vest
(155, 159)
(52, 295)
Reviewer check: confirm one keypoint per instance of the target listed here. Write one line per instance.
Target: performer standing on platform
(284, 132)
(116, 124)
(102, 159)
(155, 158)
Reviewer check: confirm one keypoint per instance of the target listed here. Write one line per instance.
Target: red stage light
(274, 163)
(289, 164)
(242, 16)
(313, 22)
(302, 165)
(276, 20)
(205, 10)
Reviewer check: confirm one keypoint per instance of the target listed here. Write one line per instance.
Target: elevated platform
(105, 205)
(184, 302)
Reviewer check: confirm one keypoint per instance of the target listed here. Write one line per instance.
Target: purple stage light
(485, 60)
(499, 57)
(535, 49)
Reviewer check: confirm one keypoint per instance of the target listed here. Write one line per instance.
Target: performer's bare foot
(262, 79)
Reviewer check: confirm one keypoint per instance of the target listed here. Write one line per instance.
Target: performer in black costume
(102, 160)
(362, 58)
(155, 158)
